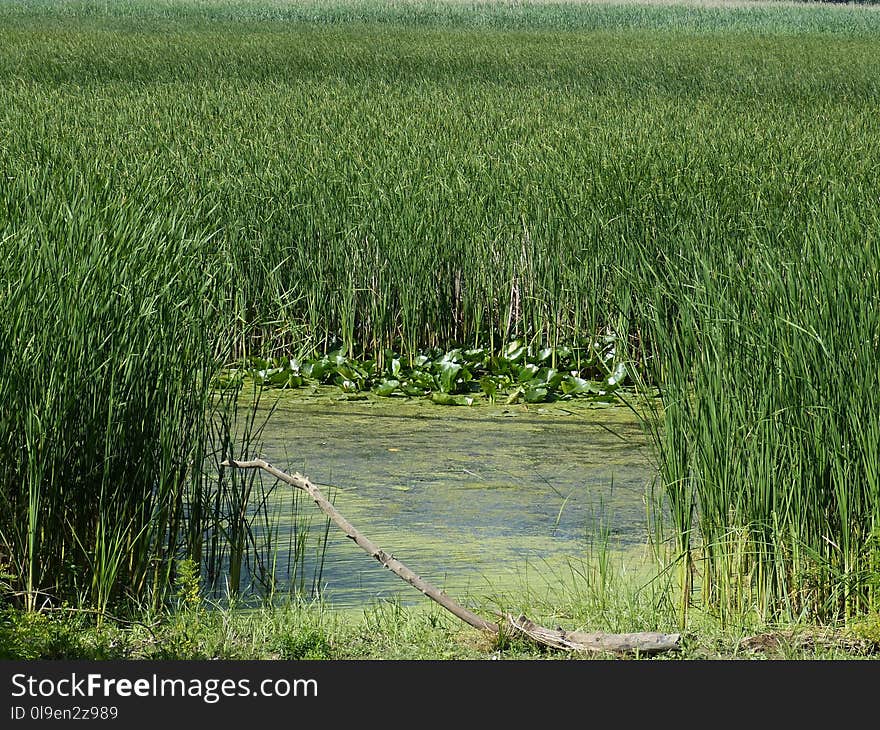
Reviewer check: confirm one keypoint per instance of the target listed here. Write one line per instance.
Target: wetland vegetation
(674, 208)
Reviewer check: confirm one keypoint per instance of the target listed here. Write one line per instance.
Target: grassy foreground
(183, 185)
(391, 631)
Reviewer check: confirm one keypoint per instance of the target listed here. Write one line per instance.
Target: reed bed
(188, 184)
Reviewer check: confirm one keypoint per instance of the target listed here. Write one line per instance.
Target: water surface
(478, 500)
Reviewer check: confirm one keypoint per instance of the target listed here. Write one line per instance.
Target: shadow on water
(474, 499)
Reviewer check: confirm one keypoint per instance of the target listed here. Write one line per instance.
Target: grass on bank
(388, 630)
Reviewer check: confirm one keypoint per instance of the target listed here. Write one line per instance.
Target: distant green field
(185, 184)
(751, 16)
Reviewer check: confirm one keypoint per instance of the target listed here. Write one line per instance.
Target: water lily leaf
(527, 372)
(424, 380)
(543, 374)
(573, 385)
(448, 376)
(444, 399)
(618, 375)
(514, 355)
(285, 379)
(450, 356)
(387, 387)
(277, 378)
(349, 371)
(554, 378)
(535, 395)
(316, 369)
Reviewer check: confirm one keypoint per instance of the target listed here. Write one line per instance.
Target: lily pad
(445, 399)
(387, 387)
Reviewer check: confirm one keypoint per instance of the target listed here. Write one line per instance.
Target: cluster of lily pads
(519, 373)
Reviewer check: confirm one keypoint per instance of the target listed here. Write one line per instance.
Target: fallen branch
(645, 643)
(388, 560)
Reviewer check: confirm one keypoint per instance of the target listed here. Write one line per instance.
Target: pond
(478, 500)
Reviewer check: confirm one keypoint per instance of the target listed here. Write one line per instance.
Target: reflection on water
(473, 499)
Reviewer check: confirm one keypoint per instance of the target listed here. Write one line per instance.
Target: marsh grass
(771, 416)
(186, 186)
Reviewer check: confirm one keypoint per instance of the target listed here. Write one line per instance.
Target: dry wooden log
(644, 643)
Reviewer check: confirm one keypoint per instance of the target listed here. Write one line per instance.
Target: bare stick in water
(645, 643)
(388, 560)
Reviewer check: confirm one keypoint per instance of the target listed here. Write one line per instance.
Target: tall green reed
(767, 429)
(105, 376)
(113, 323)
